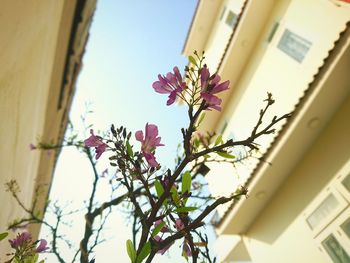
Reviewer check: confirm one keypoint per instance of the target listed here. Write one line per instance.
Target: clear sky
(130, 43)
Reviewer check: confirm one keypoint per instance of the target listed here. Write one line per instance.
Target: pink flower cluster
(211, 85)
(149, 142)
(24, 240)
(171, 84)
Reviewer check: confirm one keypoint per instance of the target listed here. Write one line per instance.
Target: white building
(299, 50)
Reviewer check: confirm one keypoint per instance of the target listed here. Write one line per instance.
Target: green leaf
(192, 60)
(157, 229)
(129, 149)
(145, 251)
(184, 254)
(196, 143)
(131, 250)
(226, 155)
(159, 188)
(201, 118)
(175, 195)
(185, 209)
(35, 258)
(218, 140)
(186, 182)
(3, 235)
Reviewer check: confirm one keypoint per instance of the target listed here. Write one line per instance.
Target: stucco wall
(280, 233)
(272, 70)
(30, 82)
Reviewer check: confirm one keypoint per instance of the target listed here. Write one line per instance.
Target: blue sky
(130, 43)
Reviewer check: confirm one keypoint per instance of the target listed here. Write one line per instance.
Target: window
(346, 227)
(334, 240)
(329, 218)
(346, 183)
(323, 211)
(294, 46)
(335, 250)
(231, 19)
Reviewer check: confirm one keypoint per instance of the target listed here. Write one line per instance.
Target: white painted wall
(272, 70)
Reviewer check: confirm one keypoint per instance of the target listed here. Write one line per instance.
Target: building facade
(41, 49)
(299, 184)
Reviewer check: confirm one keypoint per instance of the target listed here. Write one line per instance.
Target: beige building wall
(271, 226)
(281, 232)
(41, 47)
(271, 70)
(222, 28)
(29, 33)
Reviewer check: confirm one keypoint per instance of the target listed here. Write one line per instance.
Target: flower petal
(171, 98)
(161, 88)
(221, 87)
(151, 159)
(100, 149)
(42, 246)
(151, 131)
(139, 135)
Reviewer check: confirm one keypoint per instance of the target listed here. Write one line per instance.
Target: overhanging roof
(319, 103)
(201, 26)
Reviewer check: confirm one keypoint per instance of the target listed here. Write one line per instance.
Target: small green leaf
(159, 188)
(175, 195)
(196, 143)
(201, 118)
(184, 254)
(186, 182)
(218, 140)
(185, 209)
(226, 155)
(3, 235)
(192, 60)
(157, 229)
(145, 251)
(131, 250)
(35, 258)
(129, 149)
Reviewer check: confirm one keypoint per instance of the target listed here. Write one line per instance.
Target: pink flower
(42, 246)
(210, 85)
(171, 84)
(95, 141)
(163, 250)
(149, 143)
(20, 240)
